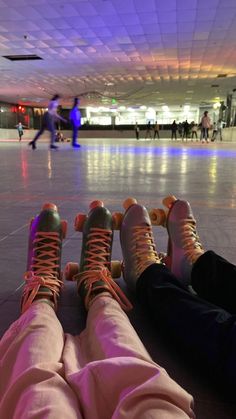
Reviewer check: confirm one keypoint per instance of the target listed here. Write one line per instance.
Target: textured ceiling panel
(140, 52)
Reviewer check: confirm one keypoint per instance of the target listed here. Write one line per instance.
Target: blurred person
(75, 119)
(48, 123)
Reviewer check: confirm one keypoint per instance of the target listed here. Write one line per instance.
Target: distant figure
(180, 129)
(214, 132)
(205, 124)
(185, 130)
(194, 128)
(137, 130)
(19, 127)
(156, 131)
(174, 130)
(220, 125)
(148, 131)
(48, 123)
(75, 119)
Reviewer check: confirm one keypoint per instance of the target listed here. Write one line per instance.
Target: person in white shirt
(48, 122)
(75, 119)
(220, 125)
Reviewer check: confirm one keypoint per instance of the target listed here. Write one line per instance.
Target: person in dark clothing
(202, 324)
(75, 119)
(174, 131)
(185, 130)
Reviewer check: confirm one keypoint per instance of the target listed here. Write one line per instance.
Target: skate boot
(184, 246)
(94, 275)
(32, 144)
(137, 242)
(43, 276)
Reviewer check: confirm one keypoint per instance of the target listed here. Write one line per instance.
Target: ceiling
(138, 52)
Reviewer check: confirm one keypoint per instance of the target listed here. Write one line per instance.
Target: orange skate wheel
(128, 202)
(115, 269)
(169, 200)
(95, 204)
(64, 228)
(79, 221)
(50, 206)
(117, 218)
(157, 216)
(71, 270)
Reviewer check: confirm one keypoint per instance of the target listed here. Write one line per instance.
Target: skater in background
(75, 119)
(156, 131)
(137, 130)
(206, 125)
(174, 130)
(20, 130)
(48, 123)
(220, 126)
(214, 132)
(194, 128)
(148, 131)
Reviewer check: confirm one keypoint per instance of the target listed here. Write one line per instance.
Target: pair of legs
(156, 134)
(173, 135)
(106, 371)
(75, 130)
(48, 124)
(202, 325)
(194, 134)
(205, 135)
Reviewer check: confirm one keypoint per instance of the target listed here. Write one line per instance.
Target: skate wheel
(49, 206)
(64, 228)
(117, 218)
(115, 269)
(95, 204)
(169, 200)
(157, 216)
(128, 202)
(71, 270)
(79, 221)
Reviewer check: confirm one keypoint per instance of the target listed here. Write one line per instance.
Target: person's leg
(202, 330)
(75, 136)
(31, 350)
(118, 377)
(214, 279)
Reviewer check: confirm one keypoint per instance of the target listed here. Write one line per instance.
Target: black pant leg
(214, 279)
(204, 332)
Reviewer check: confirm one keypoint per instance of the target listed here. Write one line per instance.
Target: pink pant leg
(112, 373)
(31, 368)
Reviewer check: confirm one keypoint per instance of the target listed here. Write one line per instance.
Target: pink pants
(104, 373)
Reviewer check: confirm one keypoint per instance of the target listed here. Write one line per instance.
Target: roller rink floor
(112, 170)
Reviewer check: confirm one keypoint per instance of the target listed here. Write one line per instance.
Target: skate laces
(143, 248)
(190, 239)
(44, 269)
(98, 247)
(100, 280)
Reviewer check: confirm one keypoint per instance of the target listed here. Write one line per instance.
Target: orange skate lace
(43, 271)
(97, 268)
(190, 239)
(143, 248)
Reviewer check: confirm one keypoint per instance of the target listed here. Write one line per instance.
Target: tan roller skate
(94, 275)
(137, 242)
(184, 246)
(43, 279)
(157, 215)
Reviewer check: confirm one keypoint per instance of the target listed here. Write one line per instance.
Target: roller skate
(94, 275)
(43, 279)
(137, 242)
(184, 246)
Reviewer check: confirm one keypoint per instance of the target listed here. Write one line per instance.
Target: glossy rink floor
(112, 170)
